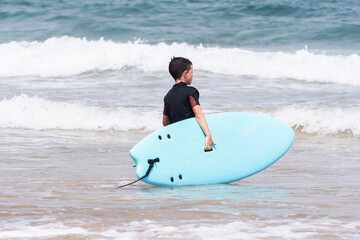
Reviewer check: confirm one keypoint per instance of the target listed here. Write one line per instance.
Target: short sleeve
(194, 97)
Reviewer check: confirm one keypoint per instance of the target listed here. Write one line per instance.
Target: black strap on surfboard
(151, 165)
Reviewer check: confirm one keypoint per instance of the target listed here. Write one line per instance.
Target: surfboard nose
(134, 156)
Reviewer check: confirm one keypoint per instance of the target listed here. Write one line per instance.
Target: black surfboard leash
(151, 165)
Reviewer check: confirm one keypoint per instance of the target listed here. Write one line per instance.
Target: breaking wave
(66, 56)
(38, 113)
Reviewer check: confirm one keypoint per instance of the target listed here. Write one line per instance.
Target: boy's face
(188, 76)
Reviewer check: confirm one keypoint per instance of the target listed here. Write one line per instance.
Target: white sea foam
(70, 56)
(37, 113)
(320, 120)
(47, 230)
(148, 229)
(278, 229)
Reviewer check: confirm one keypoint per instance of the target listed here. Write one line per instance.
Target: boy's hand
(200, 117)
(208, 143)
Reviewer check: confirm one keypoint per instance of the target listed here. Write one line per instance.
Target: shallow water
(60, 185)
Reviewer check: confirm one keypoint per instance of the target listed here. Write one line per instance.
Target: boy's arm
(200, 117)
(166, 120)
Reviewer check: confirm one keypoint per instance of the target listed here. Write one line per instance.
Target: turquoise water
(267, 24)
(83, 81)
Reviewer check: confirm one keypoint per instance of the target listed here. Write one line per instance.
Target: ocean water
(83, 81)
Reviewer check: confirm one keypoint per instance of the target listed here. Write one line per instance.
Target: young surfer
(182, 101)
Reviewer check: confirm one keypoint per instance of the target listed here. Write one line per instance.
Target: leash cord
(151, 165)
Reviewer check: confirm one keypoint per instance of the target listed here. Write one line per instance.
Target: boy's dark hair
(178, 65)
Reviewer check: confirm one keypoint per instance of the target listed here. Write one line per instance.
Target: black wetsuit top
(179, 101)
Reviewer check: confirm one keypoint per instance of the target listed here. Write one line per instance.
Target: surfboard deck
(246, 143)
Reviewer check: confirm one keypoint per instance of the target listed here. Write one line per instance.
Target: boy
(182, 101)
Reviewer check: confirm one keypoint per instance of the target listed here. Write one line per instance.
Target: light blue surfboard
(246, 143)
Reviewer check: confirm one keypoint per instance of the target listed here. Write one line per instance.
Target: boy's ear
(183, 74)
